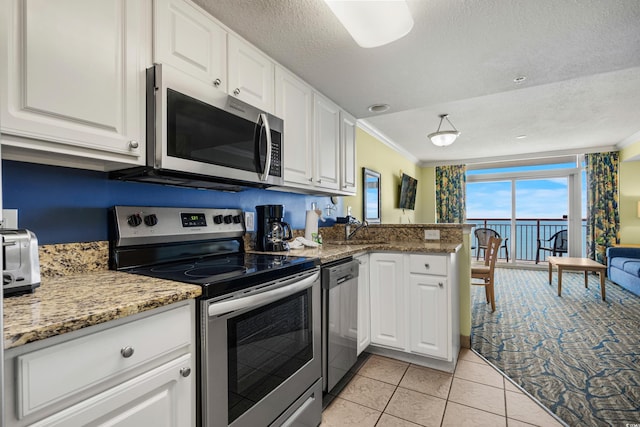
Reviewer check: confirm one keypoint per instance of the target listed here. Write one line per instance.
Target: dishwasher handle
(339, 274)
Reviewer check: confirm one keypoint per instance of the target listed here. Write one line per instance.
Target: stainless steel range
(259, 354)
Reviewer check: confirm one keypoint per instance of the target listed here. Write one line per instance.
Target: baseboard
(465, 341)
(441, 365)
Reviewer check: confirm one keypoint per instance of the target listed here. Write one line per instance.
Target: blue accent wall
(63, 205)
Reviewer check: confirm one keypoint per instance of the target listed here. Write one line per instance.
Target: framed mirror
(371, 196)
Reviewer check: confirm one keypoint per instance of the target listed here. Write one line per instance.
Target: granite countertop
(330, 252)
(78, 291)
(68, 303)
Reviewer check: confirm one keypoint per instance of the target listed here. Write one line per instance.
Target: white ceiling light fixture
(373, 23)
(442, 138)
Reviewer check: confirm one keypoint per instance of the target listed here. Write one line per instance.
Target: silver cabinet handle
(319, 181)
(133, 144)
(126, 352)
(185, 372)
(441, 284)
(236, 92)
(426, 266)
(310, 179)
(217, 82)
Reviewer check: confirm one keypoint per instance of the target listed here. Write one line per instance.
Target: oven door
(261, 352)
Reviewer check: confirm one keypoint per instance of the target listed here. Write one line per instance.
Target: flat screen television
(408, 187)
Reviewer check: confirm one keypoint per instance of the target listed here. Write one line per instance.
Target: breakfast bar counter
(333, 251)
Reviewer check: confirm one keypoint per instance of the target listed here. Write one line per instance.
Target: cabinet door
(187, 38)
(162, 397)
(429, 328)
(251, 74)
(387, 300)
(347, 153)
(294, 106)
(73, 75)
(364, 318)
(327, 142)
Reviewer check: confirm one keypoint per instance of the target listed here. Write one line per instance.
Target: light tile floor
(386, 392)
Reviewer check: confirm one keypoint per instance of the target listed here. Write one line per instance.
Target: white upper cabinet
(72, 78)
(189, 39)
(294, 106)
(348, 177)
(251, 74)
(327, 143)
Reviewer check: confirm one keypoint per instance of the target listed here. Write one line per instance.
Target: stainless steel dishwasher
(339, 320)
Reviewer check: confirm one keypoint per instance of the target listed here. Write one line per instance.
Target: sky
(538, 198)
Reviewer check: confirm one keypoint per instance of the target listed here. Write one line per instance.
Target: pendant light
(442, 138)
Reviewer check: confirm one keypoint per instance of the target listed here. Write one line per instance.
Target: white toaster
(21, 265)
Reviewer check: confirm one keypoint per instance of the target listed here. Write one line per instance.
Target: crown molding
(373, 131)
(632, 139)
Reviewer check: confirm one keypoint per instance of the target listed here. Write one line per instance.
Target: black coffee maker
(273, 232)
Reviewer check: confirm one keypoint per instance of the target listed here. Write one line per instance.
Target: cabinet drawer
(428, 264)
(48, 375)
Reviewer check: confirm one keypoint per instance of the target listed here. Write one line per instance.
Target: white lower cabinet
(161, 397)
(135, 371)
(364, 318)
(428, 315)
(387, 300)
(414, 304)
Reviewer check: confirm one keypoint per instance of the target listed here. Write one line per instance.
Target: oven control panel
(145, 225)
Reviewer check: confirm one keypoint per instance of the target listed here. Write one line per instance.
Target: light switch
(10, 218)
(249, 221)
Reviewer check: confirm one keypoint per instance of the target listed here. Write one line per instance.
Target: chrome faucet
(359, 225)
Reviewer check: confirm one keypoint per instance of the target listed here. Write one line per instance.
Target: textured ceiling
(581, 59)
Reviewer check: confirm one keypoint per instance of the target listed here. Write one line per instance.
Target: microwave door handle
(267, 164)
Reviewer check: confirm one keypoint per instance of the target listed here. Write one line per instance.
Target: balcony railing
(527, 233)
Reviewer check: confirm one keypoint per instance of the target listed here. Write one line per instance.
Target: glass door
(541, 211)
(529, 202)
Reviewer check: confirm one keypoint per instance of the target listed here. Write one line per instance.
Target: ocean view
(526, 235)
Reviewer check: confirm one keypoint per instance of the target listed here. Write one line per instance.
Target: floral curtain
(603, 219)
(450, 195)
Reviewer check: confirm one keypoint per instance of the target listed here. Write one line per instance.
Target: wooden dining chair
(484, 274)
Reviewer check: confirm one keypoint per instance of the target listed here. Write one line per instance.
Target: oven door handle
(295, 285)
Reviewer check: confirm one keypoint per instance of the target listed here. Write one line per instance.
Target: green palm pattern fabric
(603, 218)
(450, 193)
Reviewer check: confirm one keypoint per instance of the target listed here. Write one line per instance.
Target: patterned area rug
(578, 355)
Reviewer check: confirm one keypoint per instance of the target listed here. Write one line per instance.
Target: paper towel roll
(311, 225)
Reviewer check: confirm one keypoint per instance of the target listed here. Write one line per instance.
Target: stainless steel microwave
(198, 136)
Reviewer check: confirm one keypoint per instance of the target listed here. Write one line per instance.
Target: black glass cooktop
(222, 274)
